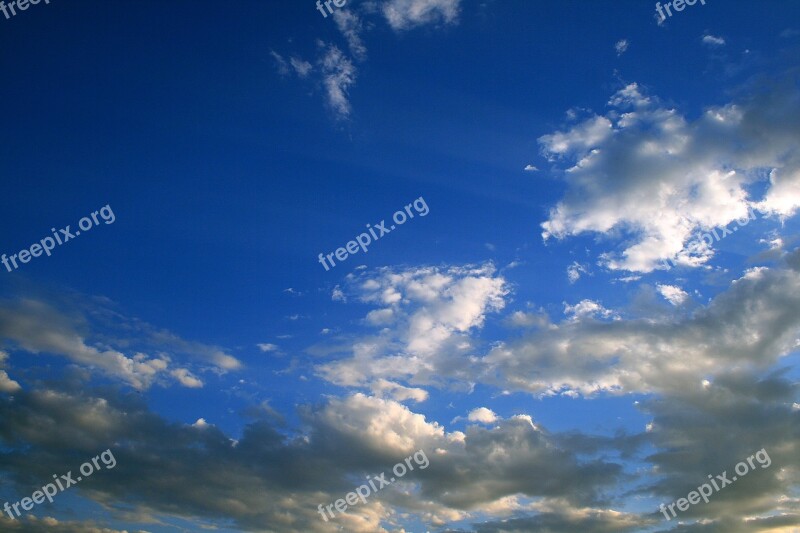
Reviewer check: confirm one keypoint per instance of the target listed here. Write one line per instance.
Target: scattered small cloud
(338, 295)
(482, 415)
(267, 347)
(671, 293)
(587, 309)
(575, 270)
(711, 40)
(621, 46)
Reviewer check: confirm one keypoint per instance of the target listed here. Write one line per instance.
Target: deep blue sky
(229, 170)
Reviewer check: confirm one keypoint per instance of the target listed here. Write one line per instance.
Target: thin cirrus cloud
(335, 70)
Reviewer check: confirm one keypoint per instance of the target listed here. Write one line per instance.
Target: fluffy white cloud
(671, 293)
(645, 171)
(751, 325)
(587, 309)
(383, 388)
(426, 315)
(482, 415)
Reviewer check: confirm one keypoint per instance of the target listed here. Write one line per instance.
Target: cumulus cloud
(482, 415)
(383, 388)
(645, 172)
(264, 477)
(751, 325)
(587, 309)
(672, 294)
(429, 312)
(621, 46)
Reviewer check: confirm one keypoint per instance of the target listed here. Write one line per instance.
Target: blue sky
(552, 329)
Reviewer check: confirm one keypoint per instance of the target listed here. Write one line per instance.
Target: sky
(533, 265)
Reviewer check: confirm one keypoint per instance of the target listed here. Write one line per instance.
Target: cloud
(338, 75)
(530, 168)
(648, 174)
(712, 40)
(38, 327)
(574, 271)
(674, 295)
(186, 378)
(426, 315)
(280, 63)
(301, 67)
(751, 325)
(267, 347)
(482, 415)
(337, 295)
(263, 477)
(350, 25)
(383, 388)
(621, 46)
(7, 384)
(407, 14)
(587, 309)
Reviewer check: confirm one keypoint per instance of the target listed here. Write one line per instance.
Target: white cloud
(350, 26)
(671, 293)
(186, 378)
(426, 313)
(530, 168)
(712, 40)
(407, 14)
(751, 325)
(338, 75)
(267, 347)
(575, 270)
(482, 415)
(621, 46)
(302, 68)
(587, 309)
(645, 173)
(37, 327)
(201, 423)
(383, 388)
(338, 295)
